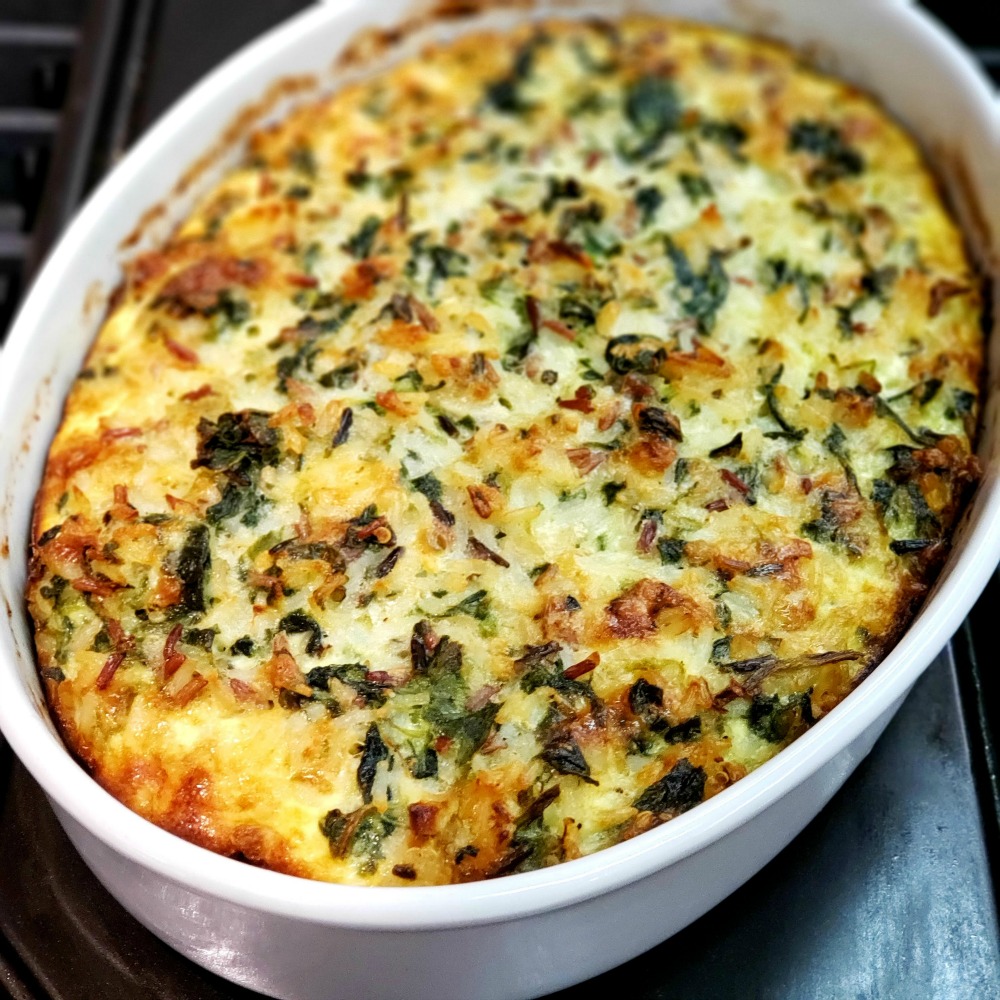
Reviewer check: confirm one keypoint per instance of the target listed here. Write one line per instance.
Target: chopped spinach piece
(299, 621)
(359, 834)
(648, 200)
(825, 141)
(696, 186)
(631, 352)
(728, 134)
(373, 752)
(476, 604)
(787, 431)
(565, 756)
(671, 550)
(354, 675)
(836, 443)
(238, 444)
(193, 564)
(653, 108)
(425, 764)
(681, 789)
(773, 718)
(429, 485)
(361, 244)
(610, 491)
(700, 295)
(243, 646)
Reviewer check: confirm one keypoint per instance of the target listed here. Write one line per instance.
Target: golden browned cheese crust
(520, 448)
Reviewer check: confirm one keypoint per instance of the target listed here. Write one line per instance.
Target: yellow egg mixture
(518, 449)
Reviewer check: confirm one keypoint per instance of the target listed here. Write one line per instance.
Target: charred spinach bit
(201, 637)
(302, 159)
(721, 650)
(907, 546)
(429, 485)
(632, 352)
(903, 502)
(446, 263)
(388, 564)
(532, 845)
(409, 381)
(699, 295)
(354, 675)
(476, 604)
(550, 674)
(825, 141)
(298, 621)
(645, 700)
(778, 274)
(671, 550)
(684, 732)
(923, 436)
(361, 244)
(730, 449)
(828, 527)
(359, 834)
(788, 432)
(102, 641)
(505, 94)
(239, 444)
(560, 189)
(520, 346)
(773, 718)
(653, 109)
(46, 536)
(963, 403)
(681, 789)
(610, 491)
(728, 134)
(581, 223)
(194, 562)
(445, 713)
(565, 756)
(882, 494)
(243, 646)
(373, 753)
(576, 312)
(53, 590)
(648, 200)
(696, 186)
(659, 423)
(229, 310)
(340, 377)
(425, 764)
(237, 499)
(419, 653)
(836, 443)
(344, 430)
(876, 282)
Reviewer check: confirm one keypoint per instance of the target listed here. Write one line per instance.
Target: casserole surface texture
(520, 448)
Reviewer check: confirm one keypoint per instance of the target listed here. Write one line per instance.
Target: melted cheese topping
(520, 448)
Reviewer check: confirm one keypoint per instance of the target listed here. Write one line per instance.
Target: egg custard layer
(518, 449)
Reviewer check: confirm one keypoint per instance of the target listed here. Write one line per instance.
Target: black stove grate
(35, 60)
(890, 893)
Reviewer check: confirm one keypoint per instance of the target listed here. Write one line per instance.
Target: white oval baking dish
(528, 934)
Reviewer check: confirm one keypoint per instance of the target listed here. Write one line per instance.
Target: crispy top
(519, 448)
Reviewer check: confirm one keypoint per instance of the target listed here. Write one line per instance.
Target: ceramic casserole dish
(528, 934)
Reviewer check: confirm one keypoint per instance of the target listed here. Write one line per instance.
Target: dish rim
(514, 896)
